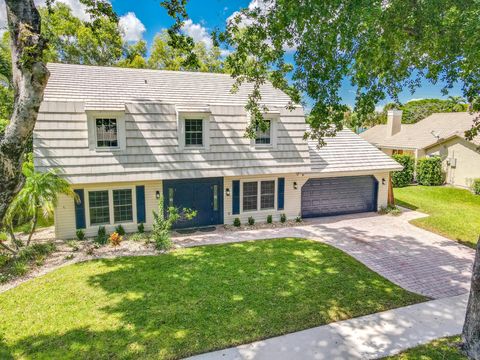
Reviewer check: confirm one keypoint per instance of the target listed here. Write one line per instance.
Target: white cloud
(416, 99)
(131, 27)
(197, 32)
(3, 17)
(78, 9)
(262, 5)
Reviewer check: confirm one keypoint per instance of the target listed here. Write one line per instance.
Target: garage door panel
(341, 195)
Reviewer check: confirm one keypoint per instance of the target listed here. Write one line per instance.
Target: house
(441, 134)
(125, 138)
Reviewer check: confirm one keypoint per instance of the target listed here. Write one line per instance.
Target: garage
(339, 195)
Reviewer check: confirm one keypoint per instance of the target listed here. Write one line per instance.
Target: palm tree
(39, 195)
(458, 103)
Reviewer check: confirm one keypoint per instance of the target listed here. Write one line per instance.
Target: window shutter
(235, 197)
(140, 196)
(281, 193)
(80, 222)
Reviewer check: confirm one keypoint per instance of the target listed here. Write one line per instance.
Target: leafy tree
(416, 110)
(134, 55)
(38, 196)
(166, 57)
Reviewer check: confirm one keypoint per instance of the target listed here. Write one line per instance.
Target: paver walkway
(415, 259)
(368, 337)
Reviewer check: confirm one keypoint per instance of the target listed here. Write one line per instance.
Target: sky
(142, 19)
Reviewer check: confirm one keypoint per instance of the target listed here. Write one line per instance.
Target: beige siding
(466, 158)
(65, 211)
(64, 138)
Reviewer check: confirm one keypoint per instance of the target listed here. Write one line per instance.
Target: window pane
(215, 197)
(250, 196)
(193, 132)
(122, 205)
(267, 195)
(263, 137)
(107, 133)
(99, 208)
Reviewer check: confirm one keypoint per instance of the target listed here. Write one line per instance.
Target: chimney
(394, 122)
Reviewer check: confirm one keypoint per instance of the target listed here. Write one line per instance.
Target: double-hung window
(99, 207)
(264, 137)
(106, 132)
(193, 132)
(250, 196)
(122, 205)
(258, 195)
(267, 195)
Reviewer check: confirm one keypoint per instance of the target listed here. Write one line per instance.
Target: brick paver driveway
(413, 258)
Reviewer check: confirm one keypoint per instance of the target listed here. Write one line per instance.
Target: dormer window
(107, 133)
(193, 132)
(264, 137)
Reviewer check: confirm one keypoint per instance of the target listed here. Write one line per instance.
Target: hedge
(429, 171)
(476, 186)
(404, 177)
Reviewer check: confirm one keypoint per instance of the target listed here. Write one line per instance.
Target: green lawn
(454, 213)
(189, 301)
(442, 349)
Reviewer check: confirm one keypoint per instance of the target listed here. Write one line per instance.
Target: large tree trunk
(471, 327)
(30, 77)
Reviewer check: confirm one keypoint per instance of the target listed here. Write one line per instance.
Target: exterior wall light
(295, 186)
(157, 194)
(383, 181)
(227, 192)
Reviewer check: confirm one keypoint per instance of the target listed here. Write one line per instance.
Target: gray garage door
(340, 195)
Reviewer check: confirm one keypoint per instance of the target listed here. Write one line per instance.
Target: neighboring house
(441, 134)
(125, 138)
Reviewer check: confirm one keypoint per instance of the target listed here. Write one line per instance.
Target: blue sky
(144, 18)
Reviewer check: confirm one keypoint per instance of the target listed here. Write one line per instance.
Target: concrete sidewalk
(368, 337)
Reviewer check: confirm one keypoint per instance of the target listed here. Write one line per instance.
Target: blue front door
(203, 195)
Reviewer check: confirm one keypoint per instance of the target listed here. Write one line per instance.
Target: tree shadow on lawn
(211, 297)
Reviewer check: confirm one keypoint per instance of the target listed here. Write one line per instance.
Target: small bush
(283, 218)
(404, 177)
(3, 236)
(392, 210)
(120, 230)
(298, 219)
(138, 237)
(73, 244)
(115, 239)
(237, 222)
(80, 234)
(251, 221)
(20, 268)
(141, 228)
(475, 187)
(269, 219)
(429, 171)
(69, 257)
(101, 237)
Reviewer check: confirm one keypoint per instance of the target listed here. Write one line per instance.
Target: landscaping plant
(115, 239)
(120, 230)
(80, 234)
(283, 218)
(269, 219)
(404, 177)
(476, 186)
(101, 237)
(298, 219)
(251, 221)
(141, 228)
(429, 171)
(237, 222)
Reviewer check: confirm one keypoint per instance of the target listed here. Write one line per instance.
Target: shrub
(80, 234)
(138, 236)
(141, 228)
(404, 177)
(283, 218)
(236, 222)
(269, 219)
(392, 210)
(429, 171)
(115, 239)
(120, 230)
(475, 187)
(298, 219)
(73, 244)
(251, 221)
(101, 237)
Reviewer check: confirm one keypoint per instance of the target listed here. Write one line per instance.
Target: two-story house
(125, 138)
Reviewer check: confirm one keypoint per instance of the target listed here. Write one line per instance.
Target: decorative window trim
(110, 190)
(205, 117)
(259, 195)
(92, 116)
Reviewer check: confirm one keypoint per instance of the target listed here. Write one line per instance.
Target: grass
(454, 213)
(441, 349)
(189, 301)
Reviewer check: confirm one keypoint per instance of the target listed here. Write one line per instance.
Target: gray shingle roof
(419, 135)
(113, 85)
(348, 152)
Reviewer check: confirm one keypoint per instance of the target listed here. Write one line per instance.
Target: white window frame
(274, 119)
(259, 194)
(92, 117)
(110, 205)
(205, 117)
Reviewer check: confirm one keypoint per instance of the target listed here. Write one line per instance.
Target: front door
(203, 195)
